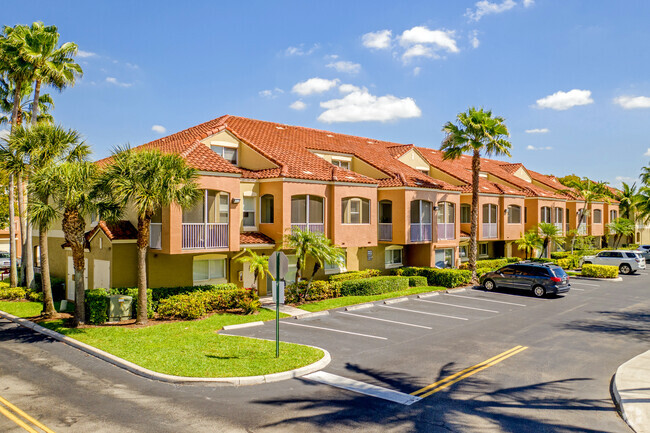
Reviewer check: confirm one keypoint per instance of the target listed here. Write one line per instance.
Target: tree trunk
(37, 93)
(298, 269)
(74, 228)
(23, 230)
(316, 269)
(16, 107)
(30, 282)
(13, 270)
(144, 224)
(48, 301)
(473, 236)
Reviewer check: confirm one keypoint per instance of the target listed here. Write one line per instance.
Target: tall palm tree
(645, 175)
(324, 251)
(549, 234)
(628, 200)
(588, 190)
(45, 105)
(643, 205)
(528, 242)
(147, 180)
(621, 227)
(259, 265)
(477, 132)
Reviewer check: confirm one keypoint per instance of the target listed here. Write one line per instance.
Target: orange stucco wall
(353, 235)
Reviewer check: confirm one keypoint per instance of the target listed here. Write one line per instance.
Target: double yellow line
(450, 380)
(21, 418)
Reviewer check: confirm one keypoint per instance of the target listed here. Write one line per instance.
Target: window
(514, 214)
(355, 211)
(508, 270)
(266, 209)
(213, 204)
(307, 209)
(613, 215)
(249, 212)
(598, 216)
(568, 216)
(482, 250)
(464, 251)
(341, 163)
(559, 215)
(465, 214)
(545, 214)
(444, 258)
(393, 257)
(227, 153)
(489, 213)
(446, 213)
(420, 212)
(211, 269)
(335, 268)
(385, 212)
(525, 214)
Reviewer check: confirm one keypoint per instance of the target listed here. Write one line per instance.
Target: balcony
(310, 227)
(582, 229)
(446, 231)
(421, 232)
(490, 231)
(559, 226)
(205, 235)
(385, 231)
(155, 236)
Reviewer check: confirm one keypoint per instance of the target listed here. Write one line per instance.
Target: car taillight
(556, 279)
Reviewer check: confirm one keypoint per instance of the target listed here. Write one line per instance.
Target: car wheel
(539, 291)
(489, 285)
(625, 269)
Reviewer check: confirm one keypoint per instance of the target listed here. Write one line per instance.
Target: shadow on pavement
(635, 324)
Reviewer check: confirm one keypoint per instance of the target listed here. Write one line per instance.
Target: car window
(558, 272)
(508, 270)
(603, 254)
(631, 255)
(616, 254)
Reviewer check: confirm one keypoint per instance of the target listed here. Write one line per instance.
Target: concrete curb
(428, 295)
(395, 300)
(310, 315)
(461, 289)
(243, 325)
(598, 279)
(359, 306)
(149, 374)
(630, 389)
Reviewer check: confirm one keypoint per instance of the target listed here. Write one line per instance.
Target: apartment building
(386, 204)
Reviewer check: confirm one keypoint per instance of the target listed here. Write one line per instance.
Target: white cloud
(159, 129)
(348, 88)
(529, 147)
(439, 39)
(343, 66)
(300, 50)
(631, 102)
(473, 39)
(528, 3)
(84, 54)
(565, 100)
(647, 152)
(418, 50)
(537, 131)
(115, 82)
(361, 106)
(485, 7)
(314, 85)
(132, 65)
(416, 71)
(379, 40)
(270, 93)
(298, 105)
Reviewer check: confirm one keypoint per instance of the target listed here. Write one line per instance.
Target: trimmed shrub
(373, 285)
(13, 293)
(185, 306)
(560, 254)
(355, 275)
(599, 271)
(513, 259)
(35, 296)
(159, 293)
(96, 306)
(318, 290)
(439, 277)
(196, 304)
(492, 263)
(566, 263)
(418, 281)
(541, 260)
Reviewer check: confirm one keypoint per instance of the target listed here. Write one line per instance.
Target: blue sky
(573, 74)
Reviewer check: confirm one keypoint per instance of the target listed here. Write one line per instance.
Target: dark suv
(540, 278)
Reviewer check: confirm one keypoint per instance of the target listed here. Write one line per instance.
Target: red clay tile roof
(464, 234)
(254, 238)
(121, 230)
(494, 167)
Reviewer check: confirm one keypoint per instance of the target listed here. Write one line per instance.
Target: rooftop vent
(280, 127)
(307, 172)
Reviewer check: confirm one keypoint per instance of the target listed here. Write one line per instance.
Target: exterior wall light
(236, 200)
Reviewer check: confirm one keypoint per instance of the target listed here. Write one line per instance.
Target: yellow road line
(24, 415)
(450, 380)
(17, 420)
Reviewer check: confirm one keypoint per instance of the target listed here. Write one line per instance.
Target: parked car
(627, 261)
(5, 261)
(542, 279)
(645, 252)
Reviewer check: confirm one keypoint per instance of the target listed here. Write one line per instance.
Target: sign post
(279, 263)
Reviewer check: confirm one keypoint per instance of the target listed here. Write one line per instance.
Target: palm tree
(643, 205)
(588, 190)
(259, 265)
(621, 227)
(628, 200)
(45, 105)
(549, 233)
(645, 176)
(528, 242)
(476, 132)
(324, 251)
(147, 180)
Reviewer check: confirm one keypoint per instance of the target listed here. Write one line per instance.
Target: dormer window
(227, 151)
(343, 163)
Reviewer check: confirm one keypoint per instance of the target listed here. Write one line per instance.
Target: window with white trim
(266, 209)
(463, 252)
(335, 268)
(249, 212)
(482, 250)
(545, 214)
(355, 211)
(226, 152)
(209, 269)
(613, 215)
(465, 213)
(598, 216)
(393, 257)
(341, 163)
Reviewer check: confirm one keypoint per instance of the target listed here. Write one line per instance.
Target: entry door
(102, 274)
(249, 278)
(70, 280)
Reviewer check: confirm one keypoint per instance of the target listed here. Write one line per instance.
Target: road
(559, 355)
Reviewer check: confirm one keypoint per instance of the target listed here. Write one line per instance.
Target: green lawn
(344, 301)
(191, 348)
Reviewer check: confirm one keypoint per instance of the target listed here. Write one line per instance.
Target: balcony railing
(490, 230)
(385, 231)
(155, 236)
(582, 229)
(421, 232)
(559, 226)
(205, 235)
(446, 231)
(311, 227)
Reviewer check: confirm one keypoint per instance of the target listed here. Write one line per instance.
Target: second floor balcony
(446, 231)
(385, 231)
(559, 226)
(490, 230)
(421, 232)
(308, 213)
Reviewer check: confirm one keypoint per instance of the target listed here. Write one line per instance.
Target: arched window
(421, 221)
(598, 216)
(545, 214)
(490, 222)
(355, 210)
(613, 215)
(446, 212)
(514, 214)
(308, 213)
(266, 209)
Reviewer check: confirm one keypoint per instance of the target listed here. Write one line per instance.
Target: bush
(373, 286)
(418, 281)
(159, 293)
(96, 306)
(196, 304)
(560, 254)
(355, 275)
(13, 293)
(492, 263)
(566, 263)
(599, 271)
(541, 260)
(449, 278)
(317, 291)
(35, 296)
(185, 306)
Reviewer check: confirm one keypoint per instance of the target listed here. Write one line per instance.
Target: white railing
(582, 229)
(155, 236)
(446, 231)
(311, 227)
(421, 232)
(490, 230)
(385, 231)
(559, 226)
(202, 235)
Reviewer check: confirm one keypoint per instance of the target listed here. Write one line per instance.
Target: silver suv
(627, 261)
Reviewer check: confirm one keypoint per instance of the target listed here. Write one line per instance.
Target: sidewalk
(632, 392)
(267, 302)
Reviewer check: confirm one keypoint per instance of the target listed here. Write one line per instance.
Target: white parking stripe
(584, 284)
(385, 320)
(575, 288)
(486, 300)
(459, 306)
(362, 387)
(334, 330)
(424, 312)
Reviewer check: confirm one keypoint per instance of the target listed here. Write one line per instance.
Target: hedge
(448, 278)
(13, 293)
(355, 275)
(572, 261)
(560, 254)
(159, 293)
(492, 263)
(373, 285)
(317, 291)
(96, 301)
(418, 281)
(599, 271)
(196, 304)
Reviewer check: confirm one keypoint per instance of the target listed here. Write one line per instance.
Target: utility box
(119, 308)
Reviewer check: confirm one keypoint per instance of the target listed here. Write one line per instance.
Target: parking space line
(575, 288)
(385, 320)
(584, 284)
(362, 387)
(486, 300)
(334, 330)
(424, 312)
(459, 306)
